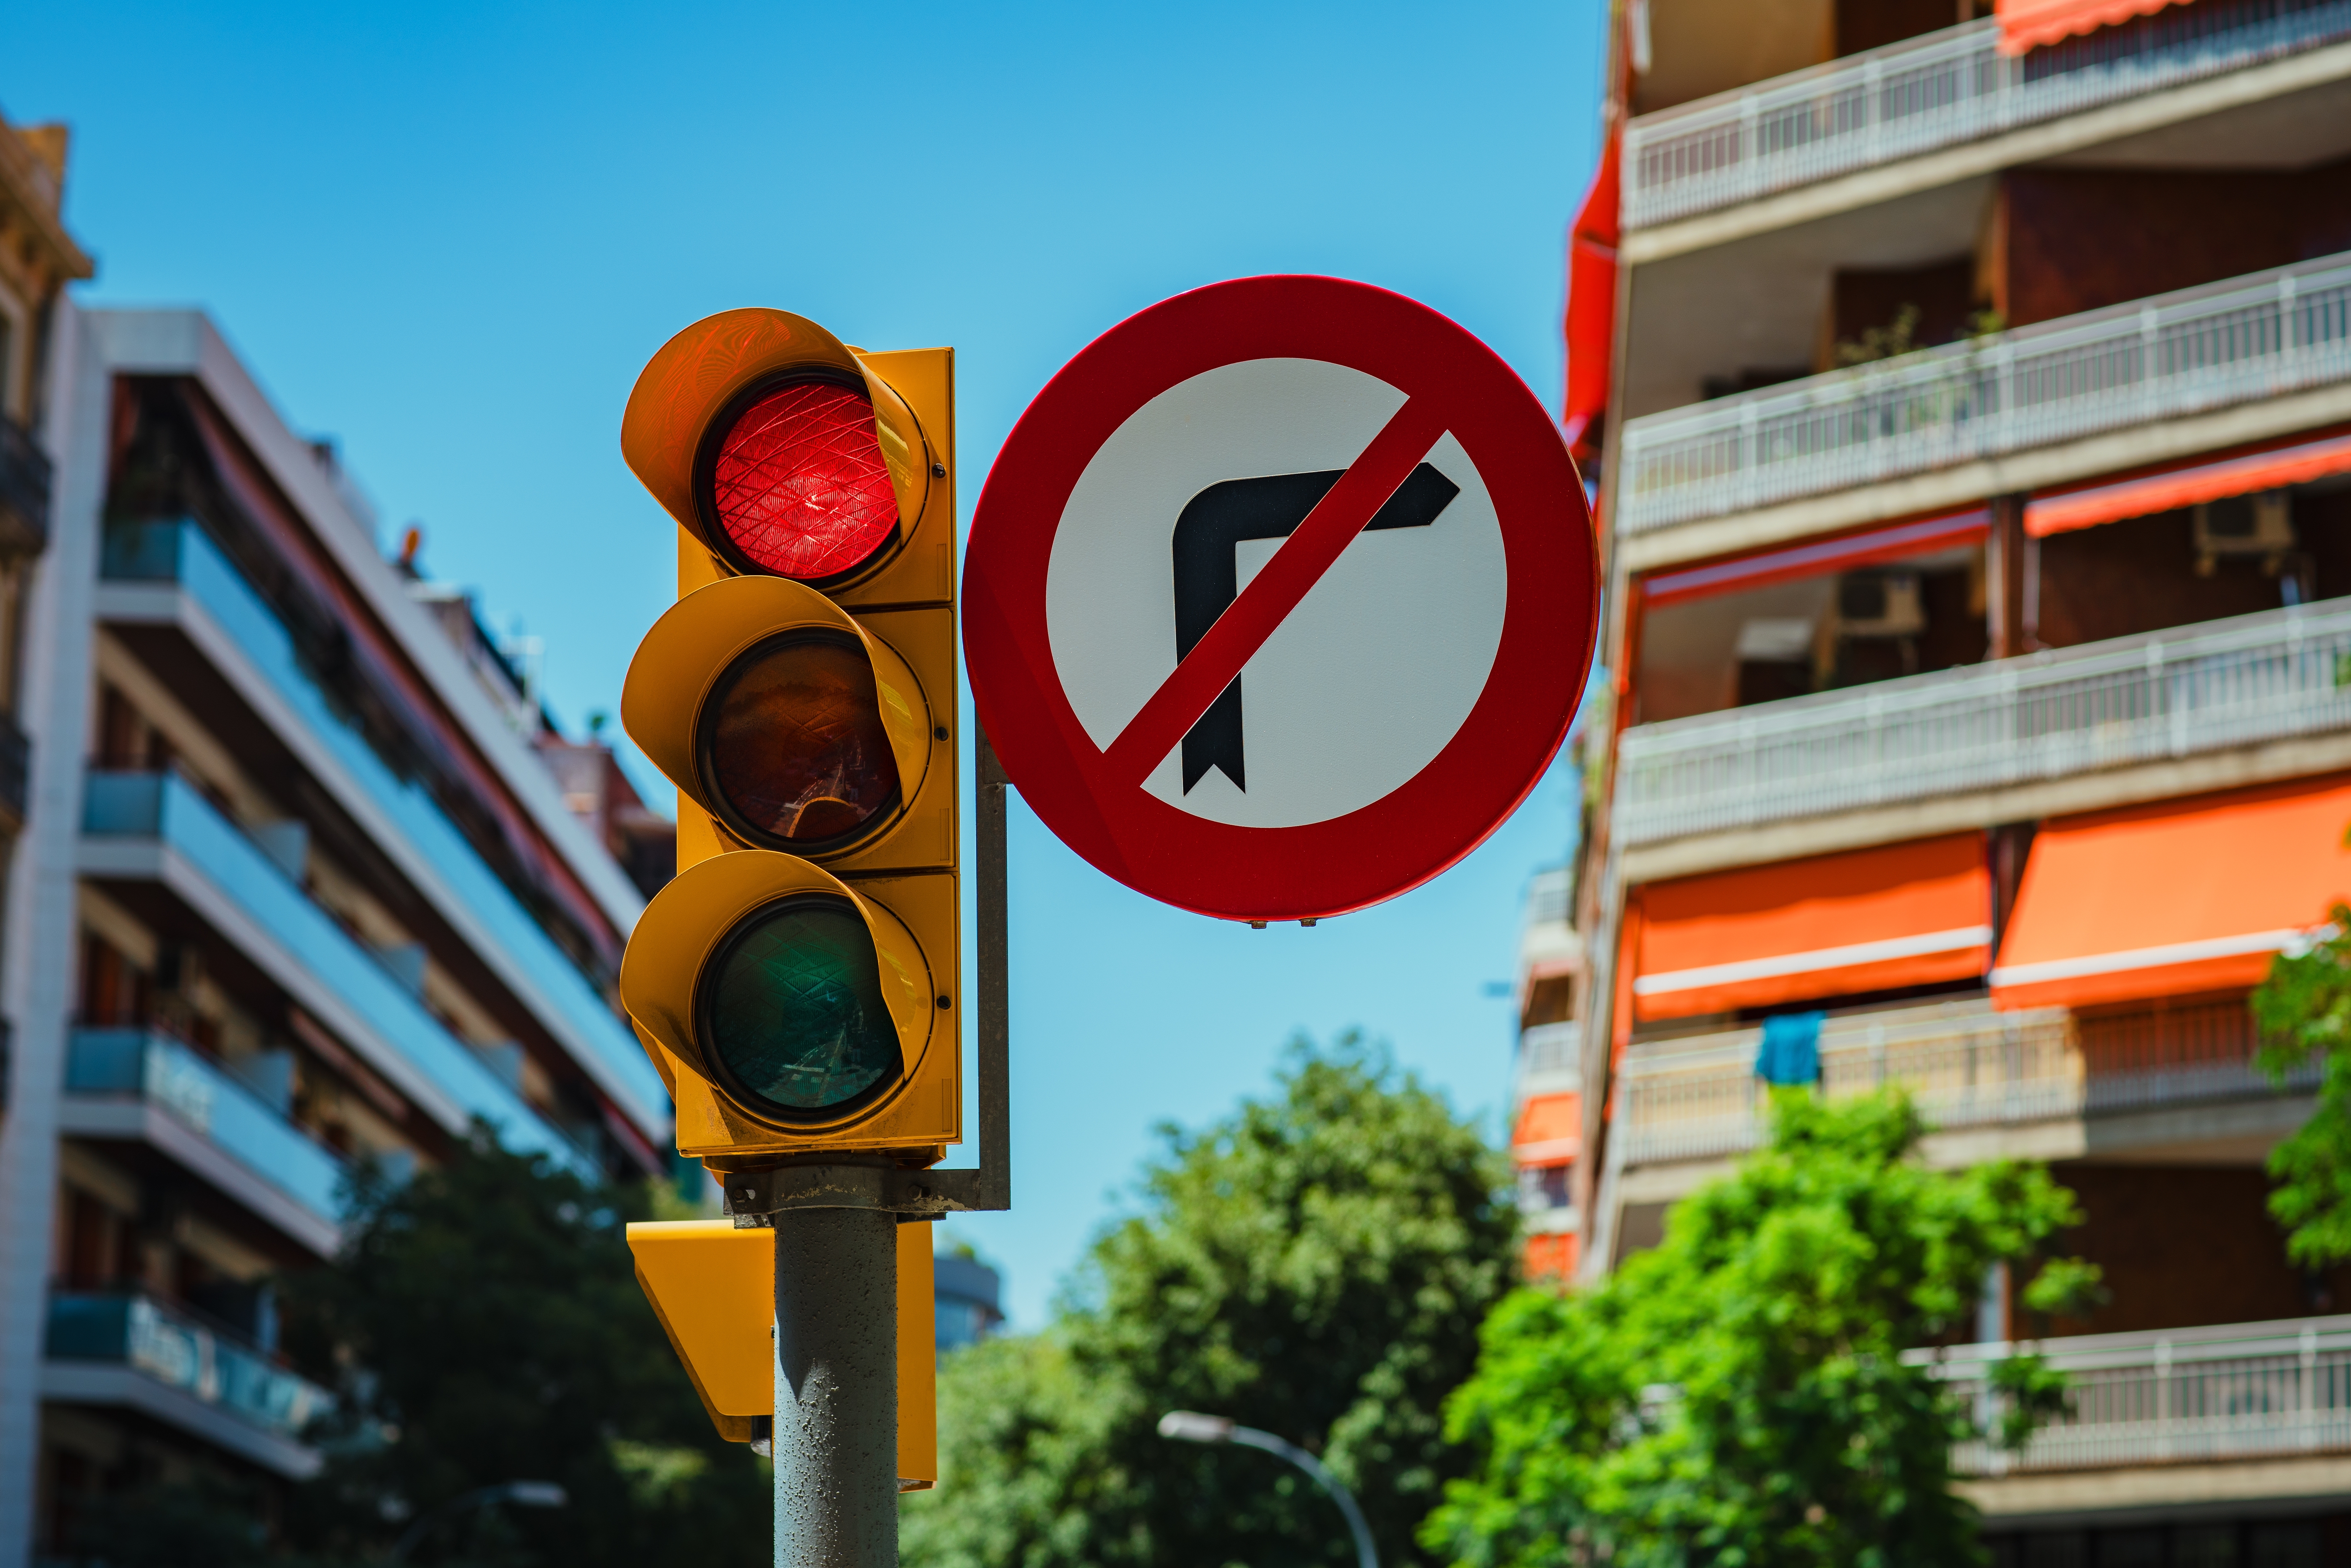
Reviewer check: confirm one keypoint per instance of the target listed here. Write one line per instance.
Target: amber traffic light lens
(799, 486)
(794, 746)
(792, 1009)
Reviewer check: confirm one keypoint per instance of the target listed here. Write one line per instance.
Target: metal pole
(836, 1423)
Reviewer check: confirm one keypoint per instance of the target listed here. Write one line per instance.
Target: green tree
(484, 1324)
(2302, 1011)
(1737, 1397)
(1315, 1265)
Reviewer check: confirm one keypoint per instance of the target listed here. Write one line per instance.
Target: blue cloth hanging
(1790, 1053)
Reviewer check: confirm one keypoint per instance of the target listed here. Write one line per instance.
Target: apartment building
(295, 898)
(1968, 390)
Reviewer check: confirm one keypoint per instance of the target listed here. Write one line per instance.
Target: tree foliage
(1737, 1395)
(2302, 1011)
(484, 1324)
(1315, 1265)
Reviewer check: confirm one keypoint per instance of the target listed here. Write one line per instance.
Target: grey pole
(1191, 1426)
(836, 1423)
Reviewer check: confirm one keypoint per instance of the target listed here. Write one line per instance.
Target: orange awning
(1817, 558)
(2152, 492)
(1551, 1257)
(2030, 24)
(1591, 323)
(2169, 900)
(1869, 920)
(1550, 1130)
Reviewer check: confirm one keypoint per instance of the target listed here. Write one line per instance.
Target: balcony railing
(180, 552)
(137, 1064)
(2158, 695)
(181, 1353)
(1933, 91)
(2235, 1391)
(1551, 1048)
(23, 490)
(1547, 896)
(2230, 342)
(164, 807)
(1964, 1064)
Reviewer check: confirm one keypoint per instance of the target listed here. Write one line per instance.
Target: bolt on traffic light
(798, 985)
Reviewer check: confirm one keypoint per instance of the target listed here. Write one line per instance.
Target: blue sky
(449, 235)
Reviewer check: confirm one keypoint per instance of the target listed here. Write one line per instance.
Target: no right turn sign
(1279, 598)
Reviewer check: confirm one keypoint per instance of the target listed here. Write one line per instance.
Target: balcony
(23, 490)
(2234, 1391)
(1965, 1066)
(169, 592)
(2177, 354)
(156, 828)
(2157, 696)
(128, 1350)
(134, 1084)
(1936, 91)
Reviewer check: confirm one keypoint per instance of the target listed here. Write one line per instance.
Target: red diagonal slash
(1217, 658)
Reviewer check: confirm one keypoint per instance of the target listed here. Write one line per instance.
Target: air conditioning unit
(2260, 524)
(1879, 604)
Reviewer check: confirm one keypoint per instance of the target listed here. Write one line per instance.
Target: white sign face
(1364, 682)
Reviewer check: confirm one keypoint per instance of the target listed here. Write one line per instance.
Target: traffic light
(798, 984)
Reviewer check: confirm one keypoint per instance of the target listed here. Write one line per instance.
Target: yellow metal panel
(714, 1289)
(918, 1352)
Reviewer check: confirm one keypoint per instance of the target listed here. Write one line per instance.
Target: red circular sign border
(1423, 827)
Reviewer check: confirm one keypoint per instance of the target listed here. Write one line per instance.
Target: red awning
(2151, 493)
(2030, 24)
(2174, 899)
(1870, 549)
(1868, 920)
(1550, 1130)
(1592, 307)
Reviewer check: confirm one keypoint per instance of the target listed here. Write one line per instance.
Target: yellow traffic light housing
(798, 985)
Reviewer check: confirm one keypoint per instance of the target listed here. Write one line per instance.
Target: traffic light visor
(776, 711)
(799, 1001)
(779, 447)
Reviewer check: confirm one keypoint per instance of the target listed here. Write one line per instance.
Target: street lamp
(1191, 1426)
(523, 1494)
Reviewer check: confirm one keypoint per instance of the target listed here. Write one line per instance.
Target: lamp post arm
(1365, 1556)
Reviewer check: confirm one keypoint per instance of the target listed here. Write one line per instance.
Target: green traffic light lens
(794, 744)
(791, 1008)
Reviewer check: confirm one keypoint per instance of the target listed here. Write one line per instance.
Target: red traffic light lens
(798, 482)
(793, 746)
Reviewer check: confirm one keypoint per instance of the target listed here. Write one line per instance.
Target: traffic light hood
(696, 377)
(678, 670)
(685, 926)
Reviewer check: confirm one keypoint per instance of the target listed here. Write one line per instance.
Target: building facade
(1969, 397)
(294, 899)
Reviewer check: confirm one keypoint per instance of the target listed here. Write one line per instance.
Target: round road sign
(1279, 598)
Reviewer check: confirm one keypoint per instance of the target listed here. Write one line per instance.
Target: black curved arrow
(1208, 575)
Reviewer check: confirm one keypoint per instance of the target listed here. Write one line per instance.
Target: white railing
(2229, 342)
(1550, 1049)
(1547, 896)
(2226, 1392)
(1933, 91)
(1965, 1065)
(2169, 693)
